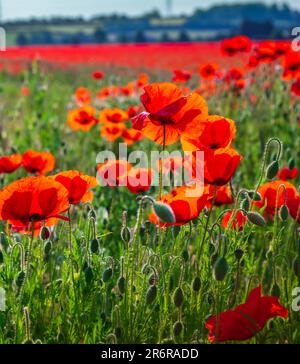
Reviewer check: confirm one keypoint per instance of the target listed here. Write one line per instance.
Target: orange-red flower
(78, 186)
(97, 75)
(185, 208)
(181, 76)
(268, 192)
(131, 136)
(291, 65)
(82, 118)
(113, 173)
(112, 131)
(235, 45)
(143, 80)
(139, 180)
(286, 173)
(208, 71)
(83, 96)
(114, 116)
(169, 114)
(246, 320)
(295, 88)
(237, 223)
(9, 164)
(223, 196)
(38, 162)
(218, 132)
(32, 199)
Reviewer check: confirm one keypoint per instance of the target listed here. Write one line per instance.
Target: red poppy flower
(131, 136)
(32, 199)
(208, 71)
(223, 196)
(83, 96)
(181, 76)
(114, 116)
(268, 192)
(291, 65)
(114, 172)
(295, 89)
(25, 91)
(82, 118)
(27, 230)
(143, 80)
(133, 111)
(237, 223)
(234, 74)
(286, 173)
(97, 75)
(112, 131)
(168, 109)
(217, 132)
(38, 162)
(185, 208)
(232, 46)
(78, 186)
(139, 180)
(294, 208)
(9, 164)
(246, 320)
(220, 165)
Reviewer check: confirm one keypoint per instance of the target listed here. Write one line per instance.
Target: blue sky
(12, 9)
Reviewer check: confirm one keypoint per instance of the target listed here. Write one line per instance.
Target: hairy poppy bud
(92, 214)
(126, 234)
(178, 297)
(94, 246)
(221, 269)
(272, 170)
(283, 213)
(245, 204)
(153, 279)
(196, 285)
(275, 291)
(44, 233)
(164, 212)
(255, 196)
(89, 275)
(1, 257)
(107, 274)
(177, 328)
(121, 284)
(256, 218)
(291, 163)
(47, 247)
(20, 279)
(151, 295)
(239, 254)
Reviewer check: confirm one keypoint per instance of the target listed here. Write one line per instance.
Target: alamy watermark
(2, 299)
(2, 39)
(296, 40)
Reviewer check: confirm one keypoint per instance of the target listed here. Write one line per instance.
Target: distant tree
(140, 37)
(22, 39)
(100, 35)
(122, 38)
(258, 30)
(165, 38)
(184, 37)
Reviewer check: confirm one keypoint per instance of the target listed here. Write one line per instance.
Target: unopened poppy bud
(275, 291)
(153, 279)
(296, 266)
(272, 170)
(239, 254)
(45, 233)
(283, 213)
(196, 285)
(121, 284)
(292, 164)
(245, 204)
(178, 297)
(107, 274)
(20, 279)
(1, 257)
(164, 212)
(47, 247)
(151, 295)
(185, 255)
(92, 214)
(177, 328)
(89, 275)
(255, 196)
(125, 234)
(256, 218)
(221, 269)
(94, 246)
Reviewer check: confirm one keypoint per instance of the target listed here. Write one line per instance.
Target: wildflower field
(112, 250)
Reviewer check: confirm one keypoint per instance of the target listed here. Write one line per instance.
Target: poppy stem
(161, 163)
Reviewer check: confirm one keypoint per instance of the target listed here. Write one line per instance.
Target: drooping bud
(292, 164)
(89, 275)
(45, 233)
(177, 328)
(255, 196)
(151, 295)
(283, 212)
(94, 246)
(178, 297)
(245, 204)
(47, 247)
(107, 274)
(256, 218)
(196, 284)
(220, 269)
(20, 279)
(272, 170)
(121, 284)
(164, 212)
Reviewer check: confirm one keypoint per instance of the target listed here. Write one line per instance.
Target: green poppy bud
(177, 328)
(275, 291)
(89, 275)
(1, 257)
(272, 170)
(151, 295)
(47, 247)
(196, 285)
(220, 269)
(239, 254)
(256, 218)
(20, 279)
(292, 163)
(106, 275)
(94, 246)
(164, 212)
(121, 284)
(255, 196)
(178, 297)
(283, 213)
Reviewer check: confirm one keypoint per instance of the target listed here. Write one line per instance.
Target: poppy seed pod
(220, 269)
(164, 212)
(177, 328)
(151, 295)
(283, 213)
(107, 274)
(121, 284)
(256, 218)
(272, 169)
(178, 297)
(94, 246)
(45, 233)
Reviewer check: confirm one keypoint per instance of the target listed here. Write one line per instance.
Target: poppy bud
(164, 212)
(121, 284)
(221, 269)
(255, 196)
(275, 291)
(196, 285)
(177, 328)
(178, 297)
(107, 274)
(47, 247)
(92, 214)
(89, 275)
(153, 279)
(44, 233)
(185, 255)
(283, 212)
(272, 170)
(239, 254)
(245, 204)
(1, 257)
(3, 239)
(296, 266)
(256, 218)
(94, 246)
(20, 279)
(292, 163)
(151, 295)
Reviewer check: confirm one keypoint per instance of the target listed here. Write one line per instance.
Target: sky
(22, 9)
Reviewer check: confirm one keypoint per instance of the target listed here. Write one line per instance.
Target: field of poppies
(113, 250)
